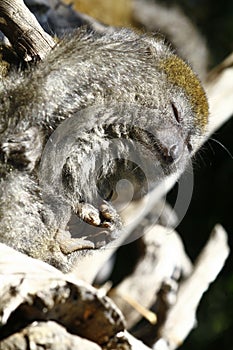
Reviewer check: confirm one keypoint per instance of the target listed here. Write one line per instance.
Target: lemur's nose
(170, 154)
(170, 145)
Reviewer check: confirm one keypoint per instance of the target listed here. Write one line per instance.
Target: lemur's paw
(106, 216)
(109, 217)
(69, 245)
(89, 214)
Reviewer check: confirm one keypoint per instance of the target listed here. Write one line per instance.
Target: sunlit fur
(134, 80)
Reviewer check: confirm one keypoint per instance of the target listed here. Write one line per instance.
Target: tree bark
(25, 34)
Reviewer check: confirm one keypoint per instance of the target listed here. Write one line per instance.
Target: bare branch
(157, 266)
(220, 92)
(20, 26)
(182, 316)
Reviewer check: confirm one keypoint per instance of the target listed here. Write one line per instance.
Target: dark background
(214, 19)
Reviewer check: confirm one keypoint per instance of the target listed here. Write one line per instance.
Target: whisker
(202, 160)
(211, 147)
(220, 144)
(198, 159)
(136, 168)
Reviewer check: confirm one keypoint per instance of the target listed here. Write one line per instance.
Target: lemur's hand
(105, 216)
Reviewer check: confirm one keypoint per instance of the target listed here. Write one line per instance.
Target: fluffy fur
(120, 110)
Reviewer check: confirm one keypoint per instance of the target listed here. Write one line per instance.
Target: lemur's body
(121, 89)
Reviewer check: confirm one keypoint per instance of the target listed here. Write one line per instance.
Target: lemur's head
(180, 108)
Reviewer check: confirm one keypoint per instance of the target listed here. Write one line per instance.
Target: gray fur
(117, 106)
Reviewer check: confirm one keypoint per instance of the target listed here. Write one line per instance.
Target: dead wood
(25, 34)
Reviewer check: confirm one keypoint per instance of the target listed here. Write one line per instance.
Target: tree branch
(182, 316)
(20, 26)
(156, 267)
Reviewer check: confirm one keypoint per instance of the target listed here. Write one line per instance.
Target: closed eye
(176, 113)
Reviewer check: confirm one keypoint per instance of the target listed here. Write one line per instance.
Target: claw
(89, 214)
(107, 212)
(106, 216)
(110, 218)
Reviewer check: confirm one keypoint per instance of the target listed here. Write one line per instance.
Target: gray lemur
(100, 107)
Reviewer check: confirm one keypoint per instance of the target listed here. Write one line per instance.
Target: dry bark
(20, 26)
(31, 290)
(33, 293)
(46, 335)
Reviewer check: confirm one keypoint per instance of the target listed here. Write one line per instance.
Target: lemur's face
(180, 118)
